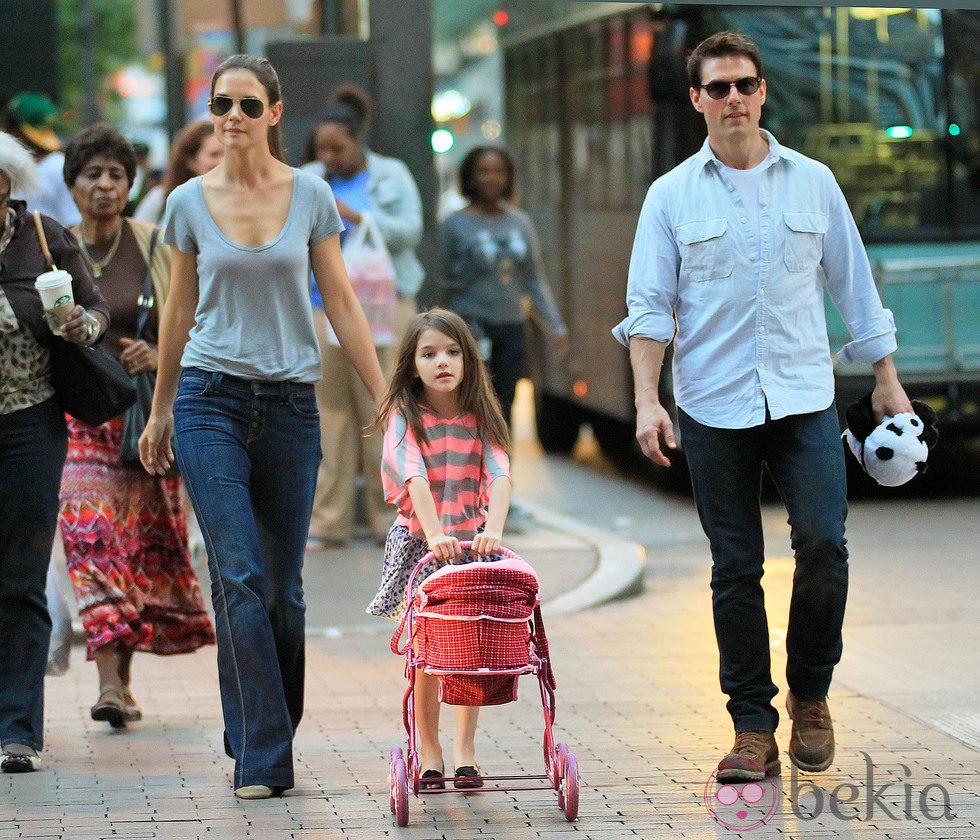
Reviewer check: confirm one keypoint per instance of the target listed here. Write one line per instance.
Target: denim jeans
(506, 362)
(249, 452)
(33, 445)
(806, 460)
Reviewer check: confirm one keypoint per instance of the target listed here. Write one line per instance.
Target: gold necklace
(98, 265)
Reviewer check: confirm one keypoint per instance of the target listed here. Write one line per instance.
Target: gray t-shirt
(254, 318)
(490, 263)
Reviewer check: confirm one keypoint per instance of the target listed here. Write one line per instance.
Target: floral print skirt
(125, 538)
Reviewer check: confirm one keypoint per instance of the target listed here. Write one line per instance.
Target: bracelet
(93, 327)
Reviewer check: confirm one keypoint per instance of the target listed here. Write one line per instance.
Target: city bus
(597, 107)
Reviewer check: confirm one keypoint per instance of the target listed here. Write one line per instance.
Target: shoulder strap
(145, 301)
(43, 240)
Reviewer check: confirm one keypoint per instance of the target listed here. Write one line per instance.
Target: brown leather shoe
(811, 743)
(754, 756)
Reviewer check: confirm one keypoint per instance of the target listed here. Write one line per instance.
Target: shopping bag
(372, 274)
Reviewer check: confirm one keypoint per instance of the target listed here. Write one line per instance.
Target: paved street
(638, 701)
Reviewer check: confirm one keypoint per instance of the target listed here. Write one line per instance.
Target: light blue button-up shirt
(748, 303)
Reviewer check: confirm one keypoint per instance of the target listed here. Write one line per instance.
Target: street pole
(237, 23)
(173, 69)
(90, 104)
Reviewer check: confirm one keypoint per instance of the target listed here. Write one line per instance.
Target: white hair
(17, 164)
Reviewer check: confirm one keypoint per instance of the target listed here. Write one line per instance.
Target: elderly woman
(124, 531)
(32, 448)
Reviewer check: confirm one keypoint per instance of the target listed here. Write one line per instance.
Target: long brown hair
(185, 147)
(269, 79)
(406, 391)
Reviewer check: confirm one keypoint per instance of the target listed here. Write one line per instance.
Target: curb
(618, 573)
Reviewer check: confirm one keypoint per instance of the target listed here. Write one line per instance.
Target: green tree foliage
(116, 45)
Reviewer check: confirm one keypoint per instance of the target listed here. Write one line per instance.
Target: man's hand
(888, 397)
(652, 422)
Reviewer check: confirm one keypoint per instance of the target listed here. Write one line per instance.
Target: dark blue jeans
(33, 445)
(806, 460)
(249, 453)
(506, 362)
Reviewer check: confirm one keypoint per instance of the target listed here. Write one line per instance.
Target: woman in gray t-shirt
(237, 331)
(491, 263)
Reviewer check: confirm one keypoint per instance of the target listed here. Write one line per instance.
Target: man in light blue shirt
(733, 250)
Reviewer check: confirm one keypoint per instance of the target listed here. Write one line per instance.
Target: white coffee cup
(54, 287)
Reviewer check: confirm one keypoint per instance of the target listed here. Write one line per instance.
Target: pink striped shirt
(459, 462)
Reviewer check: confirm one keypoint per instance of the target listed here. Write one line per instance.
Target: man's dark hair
(722, 45)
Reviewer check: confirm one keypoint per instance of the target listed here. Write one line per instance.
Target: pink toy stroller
(478, 627)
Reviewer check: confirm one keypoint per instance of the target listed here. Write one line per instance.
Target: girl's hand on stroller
(445, 547)
(487, 542)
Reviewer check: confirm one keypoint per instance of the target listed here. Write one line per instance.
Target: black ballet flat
(468, 777)
(437, 783)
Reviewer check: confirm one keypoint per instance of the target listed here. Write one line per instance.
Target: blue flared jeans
(33, 445)
(248, 451)
(806, 460)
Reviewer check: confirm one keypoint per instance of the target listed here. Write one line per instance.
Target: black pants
(33, 446)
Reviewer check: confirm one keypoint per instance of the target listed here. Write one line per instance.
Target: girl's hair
(185, 147)
(349, 106)
(269, 79)
(17, 163)
(98, 139)
(476, 394)
(467, 169)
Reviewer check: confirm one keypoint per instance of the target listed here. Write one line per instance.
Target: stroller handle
(466, 545)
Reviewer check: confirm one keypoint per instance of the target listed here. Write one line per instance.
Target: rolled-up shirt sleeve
(851, 286)
(651, 291)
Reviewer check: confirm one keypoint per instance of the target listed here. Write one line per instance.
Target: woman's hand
(445, 547)
(156, 452)
(79, 328)
(487, 542)
(137, 356)
(347, 213)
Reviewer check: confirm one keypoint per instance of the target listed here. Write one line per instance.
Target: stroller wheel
(399, 791)
(396, 755)
(570, 788)
(563, 753)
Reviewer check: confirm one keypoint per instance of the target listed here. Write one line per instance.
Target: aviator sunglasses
(746, 87)
(250, 106)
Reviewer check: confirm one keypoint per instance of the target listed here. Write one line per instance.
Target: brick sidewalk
(638, 704)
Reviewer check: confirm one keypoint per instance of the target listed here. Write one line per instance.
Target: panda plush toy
(895, 450)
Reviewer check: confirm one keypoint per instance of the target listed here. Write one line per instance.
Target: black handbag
(89, 382)
(134, 422)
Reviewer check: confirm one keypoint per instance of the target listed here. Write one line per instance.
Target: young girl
(445, 467)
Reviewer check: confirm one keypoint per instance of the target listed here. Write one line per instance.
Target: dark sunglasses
(250, 106)
(720, 90)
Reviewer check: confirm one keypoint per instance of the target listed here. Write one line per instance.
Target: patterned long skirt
(125, 538)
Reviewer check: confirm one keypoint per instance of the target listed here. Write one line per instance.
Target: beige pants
(346, 410)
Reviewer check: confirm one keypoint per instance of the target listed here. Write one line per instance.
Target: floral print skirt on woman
(125, 538)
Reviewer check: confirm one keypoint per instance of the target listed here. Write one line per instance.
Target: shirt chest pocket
(804, 239)
(706, 249)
